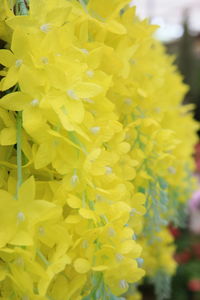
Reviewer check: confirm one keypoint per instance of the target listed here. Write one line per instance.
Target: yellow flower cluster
(95, 150)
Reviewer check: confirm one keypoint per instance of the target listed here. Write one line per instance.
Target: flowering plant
(93, 164)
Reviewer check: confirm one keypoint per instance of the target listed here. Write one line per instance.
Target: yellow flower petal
(6, 58)
(27, 190)
(73, 219)
(82, 265)
(87, 90)
(21, 238)
(15, 101)
(87, 213)
(100, 268)
(116, 27)
(43, 156)
(73, 201)
(10, 79)
(8, 136)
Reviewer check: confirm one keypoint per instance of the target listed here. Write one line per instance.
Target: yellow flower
(13, 59)
(99, 144)
(22, 215)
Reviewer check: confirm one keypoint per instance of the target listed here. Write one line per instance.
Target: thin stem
(22, 8)
(83, 5)
(42, 257)
(19, 151)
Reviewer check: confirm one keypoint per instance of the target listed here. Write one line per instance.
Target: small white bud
(21, 216)
(88, 100)
(95, 129)
(72, 94)
(85, 51)
(74, 178)
(90, 73)
(111, 232)
(35, 102)
(109, 170)
(45, 27)
(119, 257)
(18, 63)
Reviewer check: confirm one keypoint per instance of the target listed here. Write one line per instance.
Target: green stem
(42, 257)
(83, 5)
(21, 7)
(19, 150)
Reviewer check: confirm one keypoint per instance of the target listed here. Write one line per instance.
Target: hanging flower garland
(95, 150)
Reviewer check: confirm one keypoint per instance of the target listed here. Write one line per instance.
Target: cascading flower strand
(88, 117)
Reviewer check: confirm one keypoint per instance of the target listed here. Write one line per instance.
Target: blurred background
(179, 30)
(179, 22)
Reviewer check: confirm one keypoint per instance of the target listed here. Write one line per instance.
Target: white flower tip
(90, 73)
(95, 129)
(85, 51)
(74, 179)
(111, 232)
(109, 170)
(18, 62)
(72, 94)
(88, 100)
(21, 216)
(35, 102)
(45, 28)
(119, 257)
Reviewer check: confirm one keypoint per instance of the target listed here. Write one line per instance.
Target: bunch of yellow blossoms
(95, 150)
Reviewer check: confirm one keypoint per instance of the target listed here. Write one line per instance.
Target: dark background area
(187, 52)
